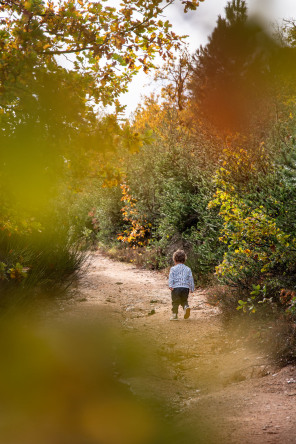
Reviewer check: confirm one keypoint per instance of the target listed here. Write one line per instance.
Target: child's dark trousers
(179, 297)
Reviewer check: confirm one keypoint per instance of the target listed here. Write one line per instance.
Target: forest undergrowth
(207, 165)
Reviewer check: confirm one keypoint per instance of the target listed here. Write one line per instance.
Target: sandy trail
(210, 375)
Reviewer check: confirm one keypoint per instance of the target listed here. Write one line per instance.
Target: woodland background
(208, 164)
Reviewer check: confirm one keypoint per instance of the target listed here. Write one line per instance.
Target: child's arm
(191, 282)
(171, 280)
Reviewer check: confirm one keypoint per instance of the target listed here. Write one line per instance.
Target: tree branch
(67, 51)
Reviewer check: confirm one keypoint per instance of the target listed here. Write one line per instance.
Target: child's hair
(179, 256)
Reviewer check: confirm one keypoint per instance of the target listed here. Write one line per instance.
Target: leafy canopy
(108, 44)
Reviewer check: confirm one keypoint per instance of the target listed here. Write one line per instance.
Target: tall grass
(50, 261)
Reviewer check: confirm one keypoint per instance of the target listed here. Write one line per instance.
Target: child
(180, 282)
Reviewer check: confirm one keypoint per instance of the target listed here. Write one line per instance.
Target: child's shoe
(186, 312)
(174, 317)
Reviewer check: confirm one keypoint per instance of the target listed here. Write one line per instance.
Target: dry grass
(141, 257)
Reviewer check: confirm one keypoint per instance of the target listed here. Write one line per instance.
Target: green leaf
(241, 302)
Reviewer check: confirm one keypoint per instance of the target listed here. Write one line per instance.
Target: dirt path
(210, 375)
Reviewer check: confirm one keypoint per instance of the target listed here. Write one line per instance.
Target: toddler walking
(180, 282)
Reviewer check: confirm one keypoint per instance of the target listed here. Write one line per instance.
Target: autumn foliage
(207, 163)
(138, 229)
(215, 170)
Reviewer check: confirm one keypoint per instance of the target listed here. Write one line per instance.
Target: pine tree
(231, 74)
